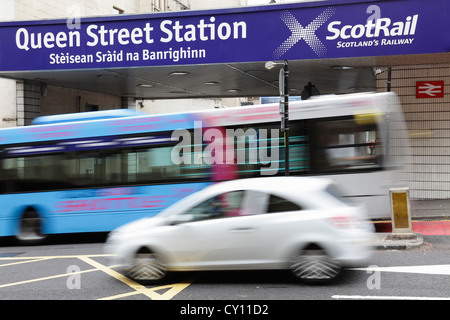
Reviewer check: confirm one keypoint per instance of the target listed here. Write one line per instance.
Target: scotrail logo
(371, 32)
(308, 33)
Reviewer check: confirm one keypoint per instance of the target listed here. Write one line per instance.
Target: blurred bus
(94, 171)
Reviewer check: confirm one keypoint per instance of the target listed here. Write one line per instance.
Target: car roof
(273, 184)
(289, 187)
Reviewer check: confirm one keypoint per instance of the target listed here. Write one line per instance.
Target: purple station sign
(328, 29)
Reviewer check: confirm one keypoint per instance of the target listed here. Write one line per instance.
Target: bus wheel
(30, 227)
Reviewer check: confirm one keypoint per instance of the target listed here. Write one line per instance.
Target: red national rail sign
(429, 89)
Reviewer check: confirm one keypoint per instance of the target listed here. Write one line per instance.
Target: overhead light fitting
(270, 65)
(342, 68)
(377, 71)
(211, 83)
(144, 85)
(106, 76)
(178, 73)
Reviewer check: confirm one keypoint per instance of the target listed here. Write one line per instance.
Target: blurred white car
(291, 223)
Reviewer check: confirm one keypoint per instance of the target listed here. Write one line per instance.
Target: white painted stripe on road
(356, 297)
(441, 269)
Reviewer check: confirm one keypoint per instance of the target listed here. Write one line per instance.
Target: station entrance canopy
(222, 52)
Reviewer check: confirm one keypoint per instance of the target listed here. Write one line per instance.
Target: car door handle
(243, 229)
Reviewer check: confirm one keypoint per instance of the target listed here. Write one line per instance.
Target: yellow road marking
(45, 278)
(134, 285)
(172, 292)
(174, 289)
(140, 289)
(21, 262)
(57, 257)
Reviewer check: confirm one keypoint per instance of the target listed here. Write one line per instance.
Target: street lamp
(284, 106)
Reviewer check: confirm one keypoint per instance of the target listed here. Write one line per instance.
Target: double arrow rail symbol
(430, 89)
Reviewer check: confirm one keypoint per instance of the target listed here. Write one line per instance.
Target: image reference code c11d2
(229, 309)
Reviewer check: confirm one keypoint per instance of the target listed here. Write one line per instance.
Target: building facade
(23, 101)
(427, 115)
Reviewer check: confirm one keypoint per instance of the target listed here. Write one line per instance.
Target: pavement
(387, 241)
(428, 217)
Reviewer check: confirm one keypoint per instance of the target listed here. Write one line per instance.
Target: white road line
(440, 269)
(357, 297)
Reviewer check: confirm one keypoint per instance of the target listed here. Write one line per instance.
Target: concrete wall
(64, 100)
(23, 101)
(208, 4)
(177, 105)
(8, 114)
(51, 9)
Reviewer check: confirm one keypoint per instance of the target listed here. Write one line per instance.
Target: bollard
(400, 212)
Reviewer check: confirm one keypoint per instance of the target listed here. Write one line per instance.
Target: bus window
(43, 172)
(298, 147)
(343, 144)
(151, 164)
(258, 144)
(128, 165)
(94, 168)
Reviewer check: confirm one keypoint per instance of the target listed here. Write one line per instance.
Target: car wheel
(314, 265)
(146, 267)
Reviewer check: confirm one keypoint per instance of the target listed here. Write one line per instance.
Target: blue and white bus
(94, 171)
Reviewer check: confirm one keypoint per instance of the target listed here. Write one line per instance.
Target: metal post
(286, 118)
(284, 106)
(389, 79)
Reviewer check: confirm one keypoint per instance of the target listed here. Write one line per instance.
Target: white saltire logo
(307, 33)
